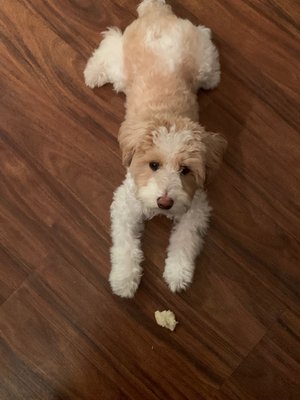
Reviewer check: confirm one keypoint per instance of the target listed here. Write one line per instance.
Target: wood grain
(272, 369)
(63, 335)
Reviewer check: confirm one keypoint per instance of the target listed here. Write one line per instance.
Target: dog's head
(169, 162)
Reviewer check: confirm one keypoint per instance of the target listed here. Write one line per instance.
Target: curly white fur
(126, 253)
(127, 216)
(186, 243)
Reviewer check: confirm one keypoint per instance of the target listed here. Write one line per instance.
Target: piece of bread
(166, 319)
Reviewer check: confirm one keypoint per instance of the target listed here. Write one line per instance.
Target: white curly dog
(160, 62)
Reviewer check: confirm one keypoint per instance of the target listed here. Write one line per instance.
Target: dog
(160, 62)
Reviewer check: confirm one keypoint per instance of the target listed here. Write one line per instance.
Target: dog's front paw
(178, 274)
(126, 272)
(124, 286)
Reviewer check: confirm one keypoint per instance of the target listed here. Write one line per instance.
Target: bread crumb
(166, 319)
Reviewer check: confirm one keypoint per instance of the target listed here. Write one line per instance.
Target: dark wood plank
(13, 273)
(272, 370)
(45, 216)
(46, 364)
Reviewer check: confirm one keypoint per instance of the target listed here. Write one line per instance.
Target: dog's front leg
(185, 244)
(126, 253)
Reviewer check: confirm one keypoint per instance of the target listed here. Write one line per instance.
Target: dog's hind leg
(106, 63)
(208, 76)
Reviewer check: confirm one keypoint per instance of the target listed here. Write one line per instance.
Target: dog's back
(159, 43)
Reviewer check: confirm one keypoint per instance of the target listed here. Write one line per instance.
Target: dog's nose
(165, 202)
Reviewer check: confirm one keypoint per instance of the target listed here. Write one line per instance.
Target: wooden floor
(63, 334)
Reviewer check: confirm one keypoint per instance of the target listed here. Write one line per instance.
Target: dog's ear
(133, 135)
(127, 141)
(216, 145)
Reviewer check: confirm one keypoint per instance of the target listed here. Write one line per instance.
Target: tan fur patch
(139, 167)
(158, 97)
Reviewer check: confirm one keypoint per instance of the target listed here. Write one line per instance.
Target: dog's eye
(184, 170)
(154, 165)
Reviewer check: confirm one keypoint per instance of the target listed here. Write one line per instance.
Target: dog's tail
(147, 6)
